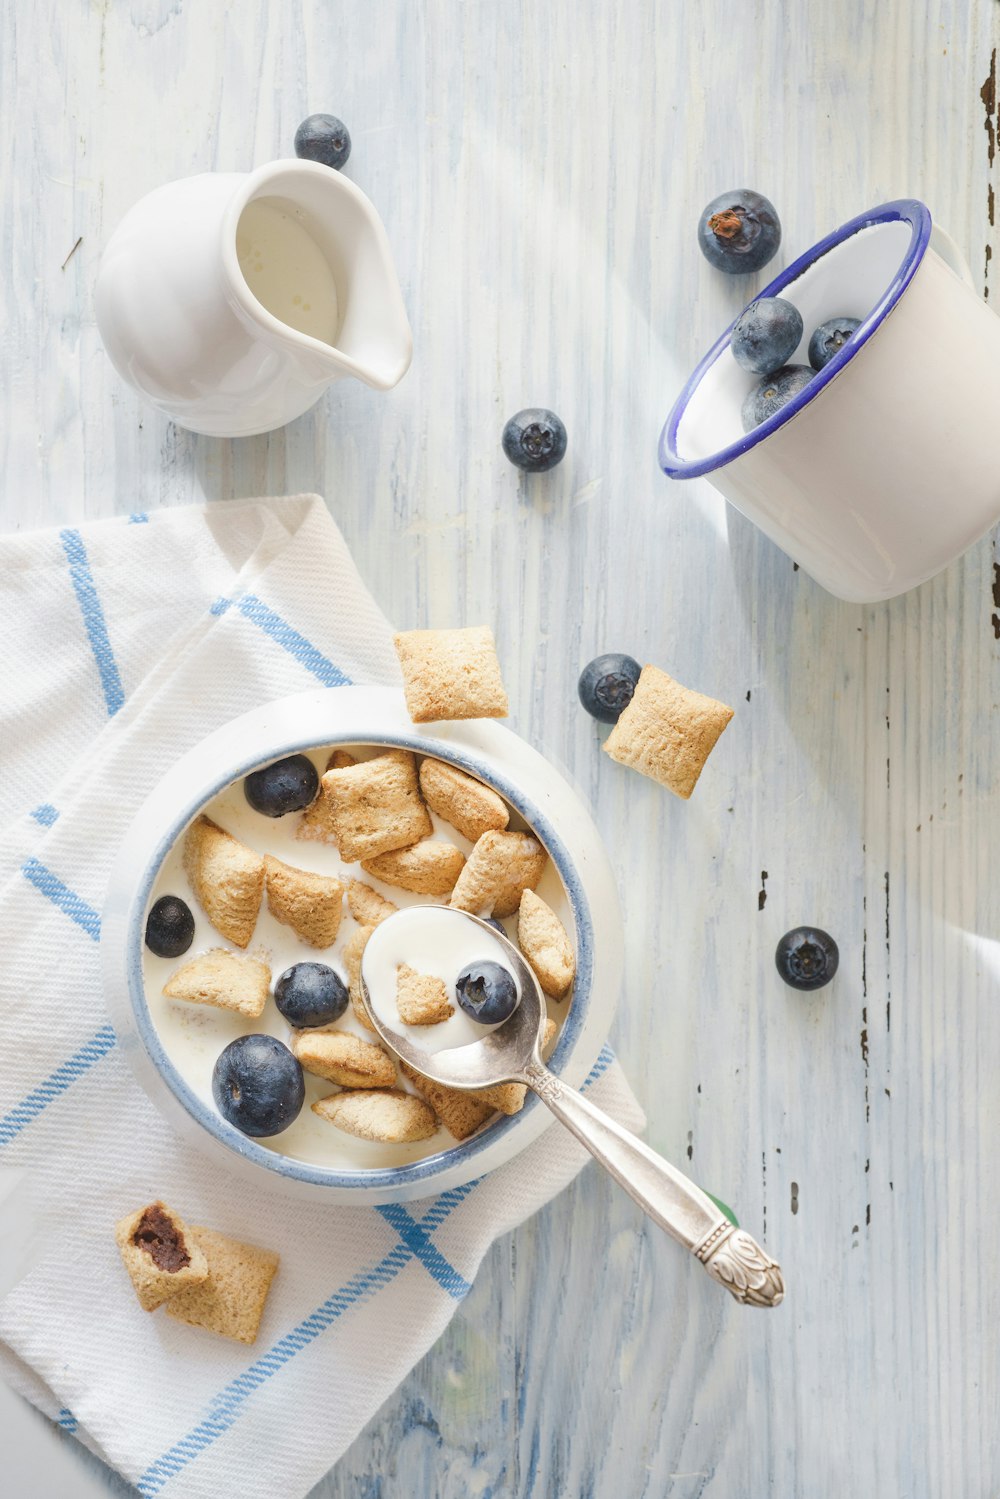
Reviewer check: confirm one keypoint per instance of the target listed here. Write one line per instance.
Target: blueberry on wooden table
(324, 138)
(807, 957)
(310, 994)
(739, 231)
(773, 392)
(169, 927)
(487, 992)
(257, 1085)
(534, 439)
(830, 338)
(286, 786)
(766, 335)
(606, 685)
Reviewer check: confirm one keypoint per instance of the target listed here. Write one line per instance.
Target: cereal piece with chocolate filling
(427, 868)
(228, 980)
(497, 872)
(542, 938)
(227, 877)
(345, 1059)
(451, 674)
(471, 807)
(366, 905)
(311, 904)
(376, 806)
(353, 948)
(387, 1115)
(231, 1301)
(420, 998)
(159, 1253)
(667, 731)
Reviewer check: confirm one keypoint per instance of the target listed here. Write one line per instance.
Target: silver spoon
(511, 1054)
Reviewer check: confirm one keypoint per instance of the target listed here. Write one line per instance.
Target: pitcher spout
(308, 264)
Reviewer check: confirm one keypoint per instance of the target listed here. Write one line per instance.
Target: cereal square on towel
(231, 1301)
(376, 806)
(667, 731)
(451, 674)
(159, 1253)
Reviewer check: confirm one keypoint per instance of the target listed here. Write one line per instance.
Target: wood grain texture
(540, 169)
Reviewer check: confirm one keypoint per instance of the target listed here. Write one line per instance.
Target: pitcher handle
(942, 244)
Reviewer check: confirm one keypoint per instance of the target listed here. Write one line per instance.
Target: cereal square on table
(160, 1254)
(376, 806)
(231, 1301)
(667, 731)
(451, 674)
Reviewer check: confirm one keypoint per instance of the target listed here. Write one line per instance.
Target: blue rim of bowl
(902, 210)
(428, 1167)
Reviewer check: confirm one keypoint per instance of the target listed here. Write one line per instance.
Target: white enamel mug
(885, 467)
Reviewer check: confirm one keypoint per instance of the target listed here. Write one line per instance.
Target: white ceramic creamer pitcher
(232, 300)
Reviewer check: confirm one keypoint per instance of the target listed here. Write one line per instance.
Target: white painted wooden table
(540, 169)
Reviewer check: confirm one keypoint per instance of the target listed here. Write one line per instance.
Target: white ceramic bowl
(376, 716)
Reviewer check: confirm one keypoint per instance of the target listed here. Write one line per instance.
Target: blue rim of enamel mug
(428, 1167)
(903, 210)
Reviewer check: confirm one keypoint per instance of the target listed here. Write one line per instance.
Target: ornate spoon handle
(729, 1254)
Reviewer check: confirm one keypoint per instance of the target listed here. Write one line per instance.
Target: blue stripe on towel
(289, 639)
(138, 518)
(227, 1406)
(67, 1420)
(73, 905)
(93, 619)
(45, 813)
(416, 1239)
(64, 1076)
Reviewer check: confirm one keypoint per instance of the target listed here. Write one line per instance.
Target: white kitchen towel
(123, 644)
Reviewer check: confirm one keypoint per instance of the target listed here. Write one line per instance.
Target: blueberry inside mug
(884, 468)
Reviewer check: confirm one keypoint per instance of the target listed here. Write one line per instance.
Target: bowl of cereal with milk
(243, 897)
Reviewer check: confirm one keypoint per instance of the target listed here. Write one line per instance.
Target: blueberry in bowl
(169, 927)
(829, 338)
(772, 392)
(258, 1085)
(766, 335)
(310, 994)
(288, 785)
(739, 231)
(607, 684)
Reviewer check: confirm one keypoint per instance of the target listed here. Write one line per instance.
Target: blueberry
(739, 231)
(830, 338)
(766, 335)
(310, 994)
(169, 927)
(497, 926)
(324, 138)
(771, 393)
(257, 1085)
(286, 786)
(535, 440)
(487, 992)
(807, 958)
(606, 685)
